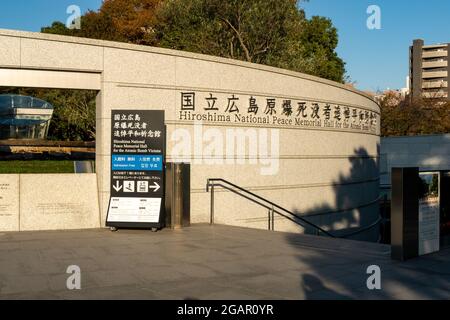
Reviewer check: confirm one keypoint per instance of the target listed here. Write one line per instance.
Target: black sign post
(405, 213)
(415, 213)
(444, 190)
(137, 169)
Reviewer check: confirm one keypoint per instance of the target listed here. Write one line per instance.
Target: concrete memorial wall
(30, 202)
(9, 202)
(308, 144)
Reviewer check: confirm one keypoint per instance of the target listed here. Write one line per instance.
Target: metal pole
(212, 204)
(268, 220)
(273, 219)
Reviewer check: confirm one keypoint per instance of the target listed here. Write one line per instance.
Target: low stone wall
(30, 202)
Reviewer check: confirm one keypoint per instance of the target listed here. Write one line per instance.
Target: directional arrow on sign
(156, 186)
(117, 187)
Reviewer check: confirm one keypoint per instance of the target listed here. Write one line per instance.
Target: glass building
(23, 117)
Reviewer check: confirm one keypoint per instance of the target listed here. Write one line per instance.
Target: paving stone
(23, 284)
(210, 262)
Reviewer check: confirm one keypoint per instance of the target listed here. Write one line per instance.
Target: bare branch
(241, 41)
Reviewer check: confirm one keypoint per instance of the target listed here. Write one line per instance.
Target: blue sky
(376, 59)
(31, 15)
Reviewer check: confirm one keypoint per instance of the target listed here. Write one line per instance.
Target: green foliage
(320, 39)
(434, 186)
(73, 115)
(270, 32)
(58, 28)
(117, 20)
(428, 187)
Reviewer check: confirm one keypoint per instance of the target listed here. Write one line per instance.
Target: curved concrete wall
(323, 171)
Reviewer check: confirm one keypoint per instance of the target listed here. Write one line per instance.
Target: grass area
(36, 166)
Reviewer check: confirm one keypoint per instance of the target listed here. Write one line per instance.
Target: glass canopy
(23, 117)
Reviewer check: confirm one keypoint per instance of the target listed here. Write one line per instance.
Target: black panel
(405, 213)
(445, 208)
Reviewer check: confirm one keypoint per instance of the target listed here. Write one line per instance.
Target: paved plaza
(210, 262)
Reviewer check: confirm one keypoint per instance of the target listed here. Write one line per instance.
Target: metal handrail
(351, 234)
(271, 206)
(274, 208)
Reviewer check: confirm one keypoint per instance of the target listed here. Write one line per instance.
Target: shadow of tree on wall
(355, 206)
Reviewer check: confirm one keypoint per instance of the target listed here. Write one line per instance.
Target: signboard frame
(138, 156)
(429, 212)
(416, 212)
(444, 206)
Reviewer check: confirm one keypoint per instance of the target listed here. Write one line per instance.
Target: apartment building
(429, 70)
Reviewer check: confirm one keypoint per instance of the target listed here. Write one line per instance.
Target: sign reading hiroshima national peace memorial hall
(137, 168)
(274, 112)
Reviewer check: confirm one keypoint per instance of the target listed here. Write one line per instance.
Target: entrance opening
(47, 130)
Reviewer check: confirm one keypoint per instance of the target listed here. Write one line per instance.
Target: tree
(320, 39)
(58, 28)
(434, 185)
(271, 32)
(117, 20)
(245, 30)
(414, 117)
(74, 114)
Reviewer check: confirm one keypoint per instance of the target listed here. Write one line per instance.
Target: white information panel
(429, 214)
(429, 226)
(145, 210)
